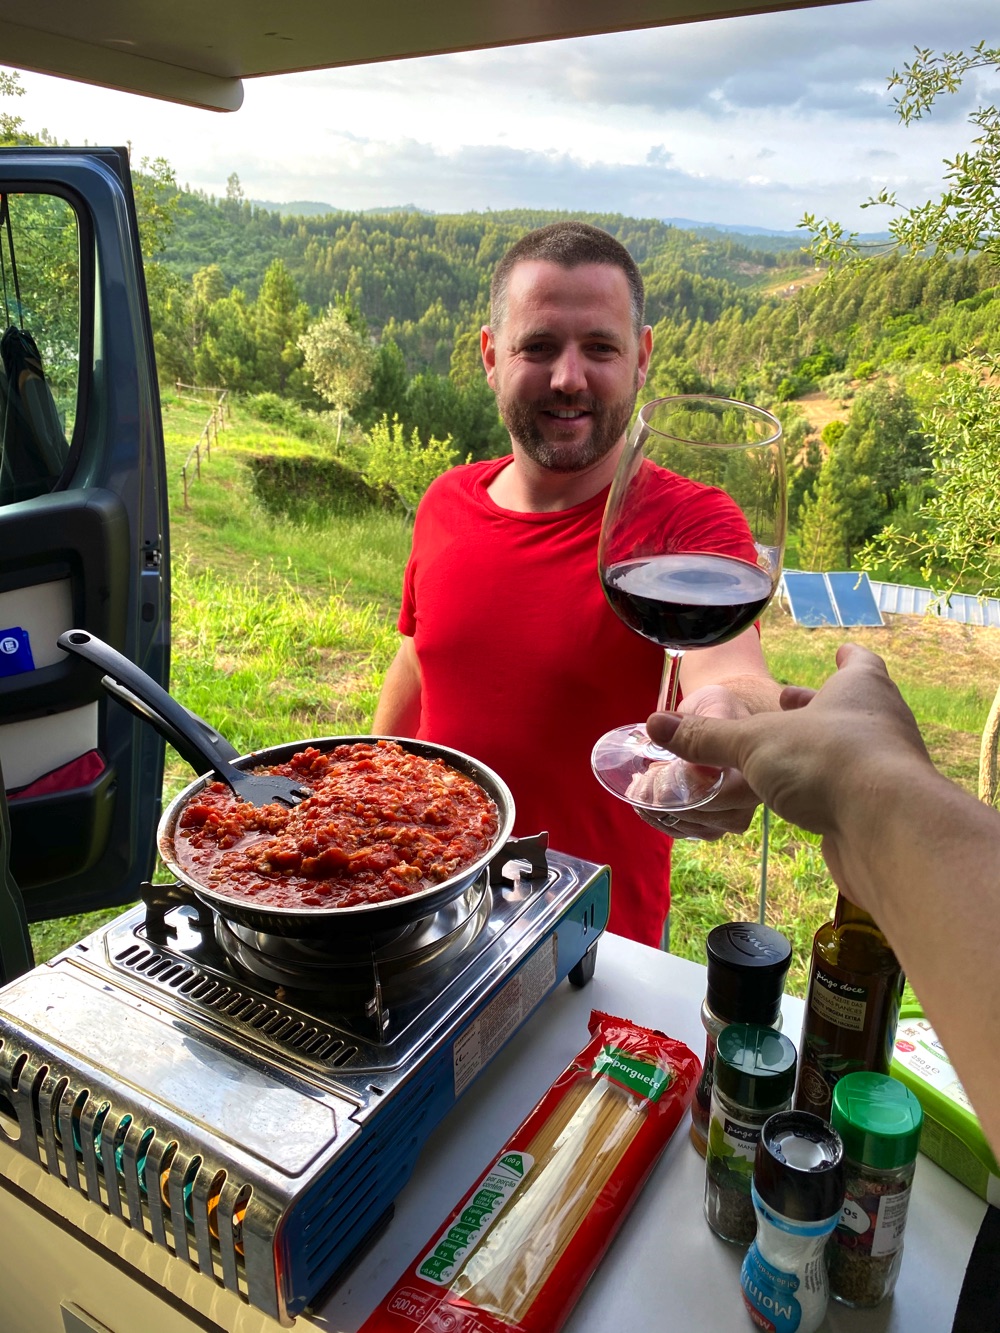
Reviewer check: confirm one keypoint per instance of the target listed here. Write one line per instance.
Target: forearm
(926, 863)
(737, 667)
(757, 691)
(397, 712)
(910, 847)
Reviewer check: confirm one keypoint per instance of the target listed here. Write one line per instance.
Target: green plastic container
(951, 1135)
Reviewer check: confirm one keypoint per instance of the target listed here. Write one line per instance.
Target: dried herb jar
(754, 1077)
(879, 1120)
(747, 964)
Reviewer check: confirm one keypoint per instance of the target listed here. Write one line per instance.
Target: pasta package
(518, 1250)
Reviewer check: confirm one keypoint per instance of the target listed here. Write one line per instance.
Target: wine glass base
(636, 770)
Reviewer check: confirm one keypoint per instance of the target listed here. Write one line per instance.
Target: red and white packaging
(518, 1250)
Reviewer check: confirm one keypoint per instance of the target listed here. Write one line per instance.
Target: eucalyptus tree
(340, 360)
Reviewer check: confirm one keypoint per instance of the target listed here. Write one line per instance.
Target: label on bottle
(740, 1136)
(850, 1024)
(873, 1224)
(842, 1003)
(769, 1293)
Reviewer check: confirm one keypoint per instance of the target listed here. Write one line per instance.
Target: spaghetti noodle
(518, 1250)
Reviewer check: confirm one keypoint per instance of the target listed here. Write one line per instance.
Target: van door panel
(83, 528)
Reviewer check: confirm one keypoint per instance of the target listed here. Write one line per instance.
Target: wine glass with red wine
(690, 555)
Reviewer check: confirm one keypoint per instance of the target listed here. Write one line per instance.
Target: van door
(83, 528)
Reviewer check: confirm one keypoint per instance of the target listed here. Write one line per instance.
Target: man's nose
(569, 372)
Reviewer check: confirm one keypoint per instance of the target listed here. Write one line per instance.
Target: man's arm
(738, 667)
(397, 712)
(902, 841)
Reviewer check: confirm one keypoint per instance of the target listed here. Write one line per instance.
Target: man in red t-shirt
(510, 651)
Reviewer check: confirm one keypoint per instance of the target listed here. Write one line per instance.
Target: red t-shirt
(524, 666)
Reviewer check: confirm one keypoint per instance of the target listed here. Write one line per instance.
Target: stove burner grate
(350, 972)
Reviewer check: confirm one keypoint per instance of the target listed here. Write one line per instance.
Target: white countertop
(67, 1265)
(666, 1269)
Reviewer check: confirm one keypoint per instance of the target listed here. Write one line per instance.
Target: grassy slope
(285, 629)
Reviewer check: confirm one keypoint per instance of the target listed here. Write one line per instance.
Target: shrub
(405, 464)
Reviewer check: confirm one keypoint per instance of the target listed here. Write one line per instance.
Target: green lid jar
(879, 1120)
(755, 1067)
(754, 1077)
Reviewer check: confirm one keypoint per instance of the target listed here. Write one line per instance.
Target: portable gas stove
(254, 1105)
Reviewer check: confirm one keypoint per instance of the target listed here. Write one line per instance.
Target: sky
(748, 121)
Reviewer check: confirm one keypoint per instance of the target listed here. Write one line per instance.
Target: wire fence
(215, 423)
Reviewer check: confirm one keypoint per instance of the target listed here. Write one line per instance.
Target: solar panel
(809, 599)
(854, 599)
(841, 598)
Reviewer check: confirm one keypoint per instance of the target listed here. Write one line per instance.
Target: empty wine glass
(689, 556)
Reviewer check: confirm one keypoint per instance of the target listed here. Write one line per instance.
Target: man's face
(566, 363)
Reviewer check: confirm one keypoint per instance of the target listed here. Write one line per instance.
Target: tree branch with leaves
(956, 542)
(965, 219)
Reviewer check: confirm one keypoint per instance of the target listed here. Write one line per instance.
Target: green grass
(284, 630)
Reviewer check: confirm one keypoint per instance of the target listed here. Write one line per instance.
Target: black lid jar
(798, 1192)
(747, 965)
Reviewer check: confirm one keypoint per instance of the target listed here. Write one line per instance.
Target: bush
(837, 386)
(273, 409)
(277, 411)
(793, 386)
(309, 489)
(405, 464)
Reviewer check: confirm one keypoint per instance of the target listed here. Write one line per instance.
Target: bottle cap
(799, 1166)
(747, 963)
(878, 1118)
(755, 1066)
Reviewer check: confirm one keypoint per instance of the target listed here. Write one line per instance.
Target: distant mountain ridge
(749, 229)
(307, 208)
(310, 208)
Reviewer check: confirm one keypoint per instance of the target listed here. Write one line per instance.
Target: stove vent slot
(140, 1173)
(282, 1028)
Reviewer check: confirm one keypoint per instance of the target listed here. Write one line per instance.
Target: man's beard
(609, 421)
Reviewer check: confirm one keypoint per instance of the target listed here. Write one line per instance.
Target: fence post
(213, 424)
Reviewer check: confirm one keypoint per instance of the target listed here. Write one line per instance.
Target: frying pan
(202, 747)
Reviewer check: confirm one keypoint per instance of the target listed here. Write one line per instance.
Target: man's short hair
(567, 244)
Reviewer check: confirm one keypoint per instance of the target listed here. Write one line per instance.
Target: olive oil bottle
(852, 1004)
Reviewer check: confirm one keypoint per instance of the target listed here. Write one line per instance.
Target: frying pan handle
(194, 740)
(221, 747)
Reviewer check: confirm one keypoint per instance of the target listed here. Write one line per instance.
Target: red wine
(688, 600)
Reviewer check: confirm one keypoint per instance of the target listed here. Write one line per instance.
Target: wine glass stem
(670, 682)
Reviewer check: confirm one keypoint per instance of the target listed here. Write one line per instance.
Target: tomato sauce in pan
(381, 823)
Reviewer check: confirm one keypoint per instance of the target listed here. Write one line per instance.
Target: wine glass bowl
(690, 554)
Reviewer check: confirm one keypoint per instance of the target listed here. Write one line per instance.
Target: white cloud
(665, 122)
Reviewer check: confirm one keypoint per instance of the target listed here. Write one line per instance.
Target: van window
(40, 306)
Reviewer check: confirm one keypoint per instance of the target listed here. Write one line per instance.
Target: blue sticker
(15, 652)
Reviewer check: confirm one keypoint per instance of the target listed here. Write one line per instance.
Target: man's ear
(645, 351)
(489, 352)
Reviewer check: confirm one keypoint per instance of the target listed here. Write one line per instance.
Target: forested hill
(389, 306)
(395, 266)
(726, 313)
